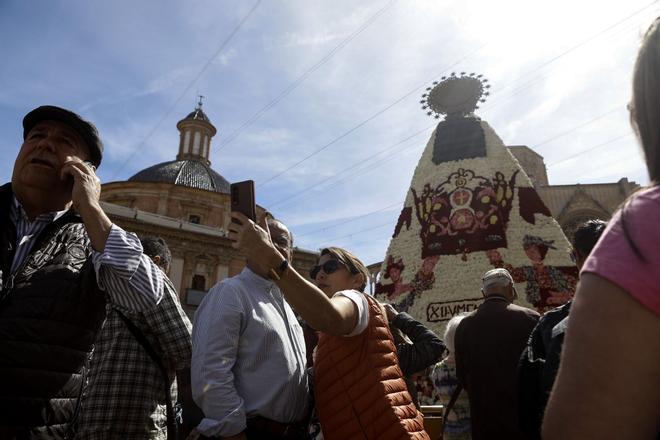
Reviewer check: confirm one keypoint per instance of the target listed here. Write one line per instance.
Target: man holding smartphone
(248, 365)
(61, 261)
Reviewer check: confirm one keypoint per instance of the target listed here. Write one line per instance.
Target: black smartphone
(69, 177)
(242, 199)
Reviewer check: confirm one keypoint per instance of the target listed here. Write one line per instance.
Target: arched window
(196, 142)
(186, 142)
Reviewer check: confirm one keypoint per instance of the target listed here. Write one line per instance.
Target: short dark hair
(586, 236)
(153, 246)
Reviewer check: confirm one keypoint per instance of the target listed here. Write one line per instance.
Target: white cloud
(295, 39)
(225, 58)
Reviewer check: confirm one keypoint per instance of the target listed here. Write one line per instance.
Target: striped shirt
(27, 231)
(129, 277)
(248, 356)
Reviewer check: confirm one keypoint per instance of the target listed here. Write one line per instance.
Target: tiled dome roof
(198, 114)
(191, 173)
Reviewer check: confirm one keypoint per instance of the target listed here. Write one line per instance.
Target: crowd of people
(93, 339)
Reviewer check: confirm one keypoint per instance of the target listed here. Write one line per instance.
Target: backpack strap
(450, 405)
(139, 336)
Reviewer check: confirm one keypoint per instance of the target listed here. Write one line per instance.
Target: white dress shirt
(248, 356)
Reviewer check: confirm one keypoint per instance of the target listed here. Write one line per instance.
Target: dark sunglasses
(328, 267)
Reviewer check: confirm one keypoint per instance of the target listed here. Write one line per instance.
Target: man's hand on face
(85, 193)
(86, 186)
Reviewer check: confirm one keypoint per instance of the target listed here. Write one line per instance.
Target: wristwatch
(276, 273)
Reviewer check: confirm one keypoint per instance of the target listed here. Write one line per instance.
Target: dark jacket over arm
(425, 350)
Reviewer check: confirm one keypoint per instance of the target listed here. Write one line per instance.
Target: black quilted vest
(50, 313)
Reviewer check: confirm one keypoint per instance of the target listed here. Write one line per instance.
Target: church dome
(198, 115)
(190, 173)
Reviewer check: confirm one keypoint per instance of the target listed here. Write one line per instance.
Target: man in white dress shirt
(248, 364)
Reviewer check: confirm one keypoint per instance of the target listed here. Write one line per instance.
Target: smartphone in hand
(69, 178)
(242, 199)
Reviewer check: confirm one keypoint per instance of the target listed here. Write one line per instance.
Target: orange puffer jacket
(359, 388)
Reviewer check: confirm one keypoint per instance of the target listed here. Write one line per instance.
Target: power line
(555, 58)
(540, 144)
(500, 98)
(383, 160)
(359, 232)
(584, 124)
(369, 119)
(355, 165)
(189, 86)
(590, 149)
(352, 219)
(579, 45)
(298, 81)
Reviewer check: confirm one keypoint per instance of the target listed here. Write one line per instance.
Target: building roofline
(591, 184)
(160, 220)
(524, 147)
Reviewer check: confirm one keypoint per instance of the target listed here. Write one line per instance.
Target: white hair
(450, 331)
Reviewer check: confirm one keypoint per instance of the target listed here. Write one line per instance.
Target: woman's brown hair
(645, 114)
(353, 263)
(645, 104)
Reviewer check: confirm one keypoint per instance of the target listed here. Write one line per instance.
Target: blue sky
(560, 74)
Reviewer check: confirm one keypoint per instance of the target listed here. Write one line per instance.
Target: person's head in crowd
(450, 332)
(338, 269)
(281, 236)
(645, 105)
(52, 137)
(585, 238)
(498, 282)
(156, 249)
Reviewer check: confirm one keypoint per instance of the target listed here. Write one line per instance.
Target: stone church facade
(187, 203)
(571, 205)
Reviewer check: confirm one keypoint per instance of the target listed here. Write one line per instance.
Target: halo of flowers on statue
(455, 95)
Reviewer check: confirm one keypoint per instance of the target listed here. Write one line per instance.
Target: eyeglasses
(328, 267)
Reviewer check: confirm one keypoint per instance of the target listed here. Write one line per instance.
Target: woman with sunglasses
(359, 388)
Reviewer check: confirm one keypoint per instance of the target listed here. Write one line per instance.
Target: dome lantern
(195, 133)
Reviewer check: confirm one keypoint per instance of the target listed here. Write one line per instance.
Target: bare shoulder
(610, 335)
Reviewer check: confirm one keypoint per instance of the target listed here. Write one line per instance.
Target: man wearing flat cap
(488, 344)
(61, 261)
